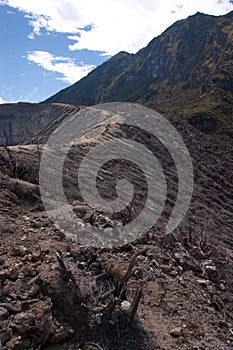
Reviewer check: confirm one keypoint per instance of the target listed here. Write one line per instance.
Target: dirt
(167, 291)
(186, 301)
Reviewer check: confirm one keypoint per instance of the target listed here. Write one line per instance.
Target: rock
(173, 273)
(19, 251)
(203, 282)
(5, 335)
(74, 250)
(36, 224)
(168, 240)
(23, 189)
(95, 267)
(88, 217)
(37, 255)
(80, 210)
(33, 290)
(197, 253)
(13, 274)
(154, 263)
(222, 286)
(43, 325)
(82, 265)
(150, 253)
(138, 274)
(180, 257)
(3, 313)
(77, 203)
(20, 275)
(26, 218)
(211, 269)
(22, 322)
(125, 306)
(176, 332)
(61, 335)
(30, 271)
(98, 318)
(165, 268)
(188, 264)
(103, 221)
(18, 343)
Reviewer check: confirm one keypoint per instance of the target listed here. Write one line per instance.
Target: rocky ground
(56, 294)
(162, 292)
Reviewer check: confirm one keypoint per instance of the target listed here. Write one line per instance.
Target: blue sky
(47, 45)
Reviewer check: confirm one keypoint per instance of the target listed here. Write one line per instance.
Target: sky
(47, 45)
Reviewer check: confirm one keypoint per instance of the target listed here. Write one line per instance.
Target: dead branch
(69, 279)
(109, 308)
(129, 271)
(103, 274)
(135, 303)
(105, 295)
(11, 159)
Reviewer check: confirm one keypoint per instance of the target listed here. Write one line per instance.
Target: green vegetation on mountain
(187, 71)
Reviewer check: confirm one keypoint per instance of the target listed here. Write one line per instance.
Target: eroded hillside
(162, 291)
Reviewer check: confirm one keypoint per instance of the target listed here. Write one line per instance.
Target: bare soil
(161, 292)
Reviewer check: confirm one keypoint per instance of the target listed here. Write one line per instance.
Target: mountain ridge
(180, 72)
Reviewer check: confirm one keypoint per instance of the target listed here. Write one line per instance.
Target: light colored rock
(98, 318)
(23, 189)
(77, 203)
(203, 282)
(80, 210)
(222, 286)
(125, 306)
(26, 218)
(176, 332)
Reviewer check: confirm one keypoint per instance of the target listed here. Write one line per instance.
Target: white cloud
(64, 65)
(2, 101)
(116, 24)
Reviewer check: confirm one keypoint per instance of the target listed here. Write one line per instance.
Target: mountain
(187, 71)
(56, 294)
(182, 273)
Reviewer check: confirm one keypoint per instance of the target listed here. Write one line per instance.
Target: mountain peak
(229, 14)
(121, 55)
(180, 72)
(199, 14)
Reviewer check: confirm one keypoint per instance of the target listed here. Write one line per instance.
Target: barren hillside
(57, 294)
